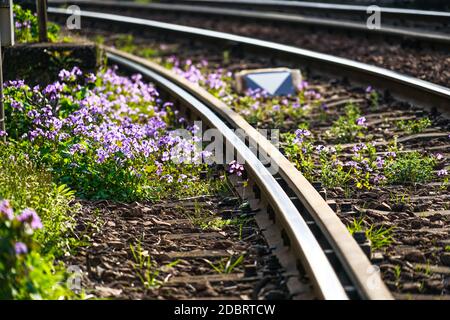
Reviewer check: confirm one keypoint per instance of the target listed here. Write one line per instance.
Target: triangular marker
(270, 81)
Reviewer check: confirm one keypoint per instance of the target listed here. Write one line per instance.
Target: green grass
(410, 167)
(31, 34)
(226, 265)
(345, 128)
(27, 185)
(379, 237)
(414, 126)
(146, 268)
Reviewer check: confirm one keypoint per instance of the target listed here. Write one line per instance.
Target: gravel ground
(170, 233)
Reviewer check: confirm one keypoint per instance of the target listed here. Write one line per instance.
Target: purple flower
(303, 85)
(379, 178)
(91, 78)
(20, 248)
(30, 216)
(442, 173)
(165, 156)
(379, 162)
(16, 105)
(369, 89)
(439, 156)
(235, 168)
(352, 164)
(359, 147)
(3, 133)
(6, 210)
(320, 148)
(361, 121)
(302, 132)
(391, 154)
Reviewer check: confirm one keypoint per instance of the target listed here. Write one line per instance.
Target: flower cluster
(349, 127)
(235, 168)
(214, 81)
(256, 105)
(114, 128)
(26, 26)
(18, 228)
(363, 169)
(25, 273)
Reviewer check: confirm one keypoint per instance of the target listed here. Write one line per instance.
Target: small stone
(225, 244)
(436, 217)
(105, 292)
(384, 207)
(436, 285)
(115, 244)
(445, 258)
(415, 256)
(161, 223)
(360, 236)
(411, 287)
(416, 224)
(111, 224)
(387, 266)
(411, 240)
(377, 257)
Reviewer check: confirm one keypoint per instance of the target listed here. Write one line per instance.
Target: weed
(356, 226)
(299, 150)
(411, 167)
(26, 26)
(24, 272)
(379, 237)
(350, 126)
(374, 99)
(397, 272)
(414, 126)
(226, 57)
(400, 198)
(30, 186)
(226, 265)
(146, 269)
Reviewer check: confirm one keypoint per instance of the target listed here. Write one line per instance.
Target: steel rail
(407, 88)
(272, 4)
(421, 35)
(326, 283)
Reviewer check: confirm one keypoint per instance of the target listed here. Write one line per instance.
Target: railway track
(396, 17)
(434, 97)
(420, 59)
(424, 26)
(407, 88)
(286, 221)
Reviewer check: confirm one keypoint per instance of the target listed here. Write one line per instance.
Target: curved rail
(302, 241)
(334, 7)
(420, 92)
(354, 20)
(353, 262)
